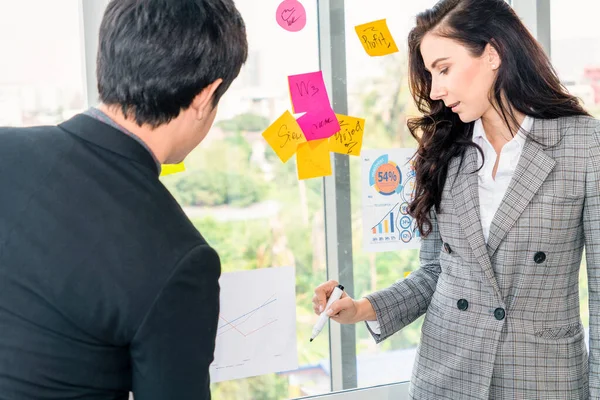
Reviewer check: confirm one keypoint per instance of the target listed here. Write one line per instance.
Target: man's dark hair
(155, 56)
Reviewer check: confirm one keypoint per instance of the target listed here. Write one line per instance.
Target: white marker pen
(337, 293)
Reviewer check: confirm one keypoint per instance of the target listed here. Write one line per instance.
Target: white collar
(479, 132)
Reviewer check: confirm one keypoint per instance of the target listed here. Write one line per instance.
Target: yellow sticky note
(350, 137)
(284, 135)
(407, 273)
(168, 169)
(313, 159)
(376, 38)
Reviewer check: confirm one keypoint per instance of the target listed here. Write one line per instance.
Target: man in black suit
(105, 285)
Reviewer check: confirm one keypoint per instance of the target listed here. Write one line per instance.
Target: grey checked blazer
(502, 319)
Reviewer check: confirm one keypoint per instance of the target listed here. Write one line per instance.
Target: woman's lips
(454, 105)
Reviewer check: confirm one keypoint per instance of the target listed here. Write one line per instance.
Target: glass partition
(250, 206)
(41, 72)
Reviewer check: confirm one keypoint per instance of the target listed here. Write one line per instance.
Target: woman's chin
(466, 118)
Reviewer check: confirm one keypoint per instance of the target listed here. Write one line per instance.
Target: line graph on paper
(235, 325)
(256, 332)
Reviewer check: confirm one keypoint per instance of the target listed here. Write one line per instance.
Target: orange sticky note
(349, 139)
(313, 159)
(284, 135)
(376, 38)
(169, 169)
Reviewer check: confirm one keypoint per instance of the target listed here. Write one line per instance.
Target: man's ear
(202, 103)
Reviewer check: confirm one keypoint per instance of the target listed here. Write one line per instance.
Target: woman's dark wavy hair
(525, 78)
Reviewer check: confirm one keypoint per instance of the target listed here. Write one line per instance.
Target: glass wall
(378, 91)
(41, 67)
(251, 179)
(575, 49)
(250, 206)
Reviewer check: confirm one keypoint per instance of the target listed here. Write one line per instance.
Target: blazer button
(447, 248)
(539, 257)
(462, 304)
(499, 314)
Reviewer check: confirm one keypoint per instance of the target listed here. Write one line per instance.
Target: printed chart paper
(388, 180)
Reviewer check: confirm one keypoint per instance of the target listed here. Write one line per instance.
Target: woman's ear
(492, 56)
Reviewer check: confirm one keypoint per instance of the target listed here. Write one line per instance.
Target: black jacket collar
(97, 132)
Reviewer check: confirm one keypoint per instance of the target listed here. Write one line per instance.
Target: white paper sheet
(257, 324)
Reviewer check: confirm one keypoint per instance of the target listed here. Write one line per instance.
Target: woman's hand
(346, 310)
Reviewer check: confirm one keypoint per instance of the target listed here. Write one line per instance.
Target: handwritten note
(376, 38)
(308, 92)
(284, 135)
(313, 159)
(169, 169)
(319, 124)
(291, 16)
(349, 139)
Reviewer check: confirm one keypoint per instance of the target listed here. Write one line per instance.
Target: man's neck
(154, 139)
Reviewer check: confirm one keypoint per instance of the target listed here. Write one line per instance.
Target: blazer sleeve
(408, 299)
(173, 347)
(591, 229)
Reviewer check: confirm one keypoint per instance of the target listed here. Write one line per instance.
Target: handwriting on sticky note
(349, 139)
(308, 91)
(291, 16)
(319, 124)
(284, 135)
(376, 38)
(313, 159)
(169, 169)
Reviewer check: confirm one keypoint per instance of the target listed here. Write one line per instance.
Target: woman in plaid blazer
(507, 197)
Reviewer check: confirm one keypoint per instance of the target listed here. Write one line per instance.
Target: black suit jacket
(105, 285)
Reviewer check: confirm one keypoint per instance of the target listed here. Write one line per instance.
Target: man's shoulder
(161, 219)
(24, 141)
(20, 131)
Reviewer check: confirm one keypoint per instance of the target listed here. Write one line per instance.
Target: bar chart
(386, 225)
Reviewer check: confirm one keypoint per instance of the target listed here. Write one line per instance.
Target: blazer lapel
(533, 168)
(465, 194)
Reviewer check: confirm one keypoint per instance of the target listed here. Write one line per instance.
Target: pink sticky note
(319, 124)
(291, 15)
(308, 92)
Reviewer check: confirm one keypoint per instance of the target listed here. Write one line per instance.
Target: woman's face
(461, 81)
